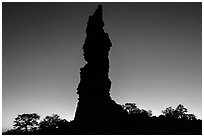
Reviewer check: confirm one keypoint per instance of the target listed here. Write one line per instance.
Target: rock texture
(95, 105)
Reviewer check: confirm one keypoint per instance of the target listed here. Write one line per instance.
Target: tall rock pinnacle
(95, 104)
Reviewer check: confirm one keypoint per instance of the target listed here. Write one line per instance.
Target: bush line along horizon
(30, 124)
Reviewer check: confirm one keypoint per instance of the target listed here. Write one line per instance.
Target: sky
(155, 58)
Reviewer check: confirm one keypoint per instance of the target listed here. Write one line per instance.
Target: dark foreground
(147, 126)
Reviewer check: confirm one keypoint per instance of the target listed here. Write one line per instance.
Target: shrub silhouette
(190, 117)
(134, 111)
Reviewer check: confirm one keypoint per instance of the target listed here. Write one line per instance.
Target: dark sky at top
(155, 60)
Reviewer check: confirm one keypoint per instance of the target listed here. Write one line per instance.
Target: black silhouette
(179, 113)
(26, 122)
(96, 112)
(138, 122)
(52, 122)
(95, 106)
(52, 125)
(132, 109)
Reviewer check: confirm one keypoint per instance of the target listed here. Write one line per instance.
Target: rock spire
(94, 103)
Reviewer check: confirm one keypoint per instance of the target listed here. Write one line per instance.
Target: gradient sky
(155, 61)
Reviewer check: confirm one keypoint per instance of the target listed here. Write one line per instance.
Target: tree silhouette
(149, 113)
(138, 122)
(191, 117)
(26, 122)
(136, 114)
(178, 113)
(131, 108)
(168, 112)
(52, 122)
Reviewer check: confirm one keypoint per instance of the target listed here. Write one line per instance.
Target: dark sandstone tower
(95, 105)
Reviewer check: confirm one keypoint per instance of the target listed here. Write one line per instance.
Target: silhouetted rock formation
(95, 106)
